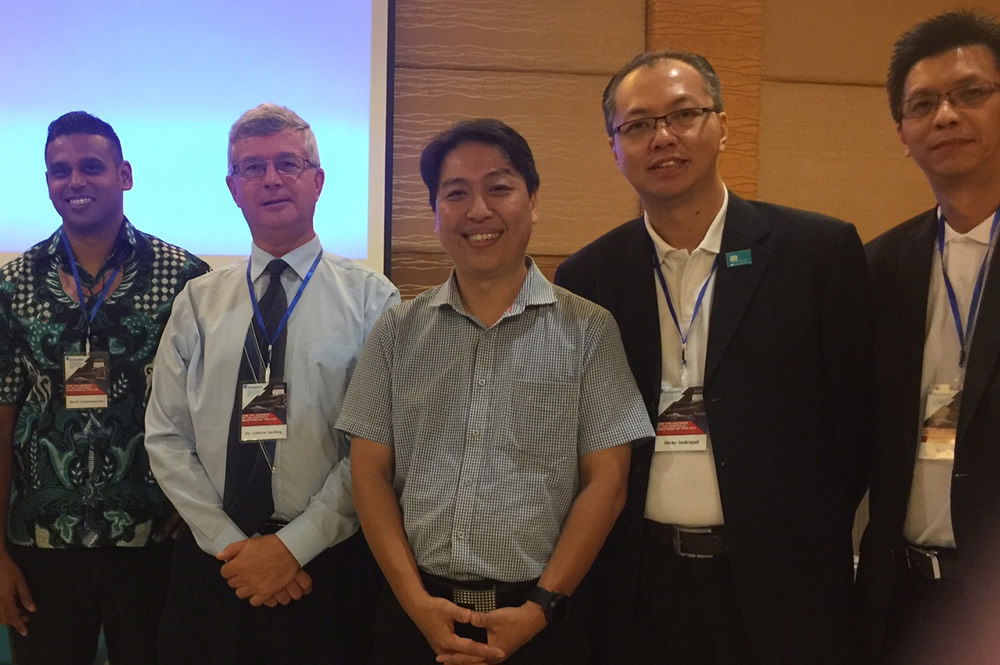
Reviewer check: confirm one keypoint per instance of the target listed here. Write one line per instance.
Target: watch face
(553, 603)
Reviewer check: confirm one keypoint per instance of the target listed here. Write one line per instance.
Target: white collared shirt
(683, 486)
(928, 515)
(194, 385)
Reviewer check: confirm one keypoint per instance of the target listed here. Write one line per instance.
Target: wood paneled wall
(802, 81)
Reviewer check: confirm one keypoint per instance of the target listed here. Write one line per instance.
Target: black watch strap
(553, 603)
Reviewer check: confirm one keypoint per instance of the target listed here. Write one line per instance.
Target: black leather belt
(933, 563)
(695, 542)
(478, 595)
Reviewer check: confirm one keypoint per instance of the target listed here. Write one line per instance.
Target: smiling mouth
(275, 202)
(667, 164)
(482, 238)
(79, 201)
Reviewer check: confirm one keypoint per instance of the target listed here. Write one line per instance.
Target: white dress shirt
(194, 386)
(683, 486)
(928, 515)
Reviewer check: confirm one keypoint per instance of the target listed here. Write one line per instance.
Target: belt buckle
(924, 561)
(679, 545)
(477, 600)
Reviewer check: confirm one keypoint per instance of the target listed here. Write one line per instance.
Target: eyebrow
(926, 90)
(463, 180)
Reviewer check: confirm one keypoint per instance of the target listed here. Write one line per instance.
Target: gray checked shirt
(487, 425)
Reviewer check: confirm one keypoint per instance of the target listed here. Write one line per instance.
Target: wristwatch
(553, 603)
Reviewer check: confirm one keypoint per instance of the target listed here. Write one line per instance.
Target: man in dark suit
(746, 329)
(930, 546)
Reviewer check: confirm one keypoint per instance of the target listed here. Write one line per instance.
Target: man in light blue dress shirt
(294, 589)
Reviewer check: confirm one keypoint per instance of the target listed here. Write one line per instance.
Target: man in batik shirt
(80, 318)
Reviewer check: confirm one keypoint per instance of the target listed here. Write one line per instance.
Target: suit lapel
(744, 229)
(985, 350)
(630, 296)
(913, 271)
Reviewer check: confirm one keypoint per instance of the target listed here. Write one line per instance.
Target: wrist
(551, 604)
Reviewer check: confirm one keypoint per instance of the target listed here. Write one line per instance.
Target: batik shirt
(81, 477)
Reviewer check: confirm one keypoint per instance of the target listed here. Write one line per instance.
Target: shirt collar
(299, 259)
(711, 243)
(979, 234)
(535, 290)
(125, 245)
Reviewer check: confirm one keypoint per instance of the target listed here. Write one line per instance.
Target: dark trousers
(78, 592)
(687, 611)
(398, 641)
(205, 623)
(940, 621)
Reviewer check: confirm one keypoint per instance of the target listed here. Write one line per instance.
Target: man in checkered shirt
(491, 418)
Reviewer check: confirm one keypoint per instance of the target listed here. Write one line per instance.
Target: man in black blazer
(929, 554)
(745, 326)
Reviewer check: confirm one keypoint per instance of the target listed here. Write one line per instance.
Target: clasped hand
(262, 570)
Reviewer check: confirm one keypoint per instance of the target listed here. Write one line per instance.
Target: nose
(76, 178)
(478, 209)
(271, 176)
(945, 113)
(662, 133)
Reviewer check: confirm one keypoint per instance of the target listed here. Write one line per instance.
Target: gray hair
(268, 119)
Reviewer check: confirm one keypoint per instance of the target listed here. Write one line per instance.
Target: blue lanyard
(92, 313)
(268, 336)
(670, 305)
(965, 332)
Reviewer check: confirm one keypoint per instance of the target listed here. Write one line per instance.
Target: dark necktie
(247, 497)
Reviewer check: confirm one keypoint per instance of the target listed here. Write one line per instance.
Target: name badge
(937, 436)
(86, 380)
(682, 427)
(264, 412)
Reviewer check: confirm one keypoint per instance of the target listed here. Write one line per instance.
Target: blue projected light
(171, 79)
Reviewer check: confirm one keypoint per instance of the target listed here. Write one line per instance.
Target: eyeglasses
(967, 96)
(678, 121)
(286, 165)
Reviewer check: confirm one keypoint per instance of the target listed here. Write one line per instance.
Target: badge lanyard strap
(92, 313)
(670, 305)
(268, 337)
(965, 332)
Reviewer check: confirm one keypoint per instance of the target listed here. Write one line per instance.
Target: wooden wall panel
(848, 41)
(833, 148)
(581, 195)
(728, 33)
(589, 36)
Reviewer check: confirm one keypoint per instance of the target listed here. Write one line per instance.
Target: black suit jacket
(784, 384)
(900, 264)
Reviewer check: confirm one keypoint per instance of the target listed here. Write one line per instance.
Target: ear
(534, 208)
(233, 188)
(320, 178)
(125, 175)
(723, 130)
(619, 160)
(902, 139)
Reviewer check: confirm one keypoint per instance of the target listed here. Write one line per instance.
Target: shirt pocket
(544, 420)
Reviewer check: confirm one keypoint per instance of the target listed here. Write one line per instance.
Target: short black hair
(81, 122)
(477, 130)
(699, 62)
(934, 36)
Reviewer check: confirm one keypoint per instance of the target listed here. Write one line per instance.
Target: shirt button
(475, 433)
(482, 382)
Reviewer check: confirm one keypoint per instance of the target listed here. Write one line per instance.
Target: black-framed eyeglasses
(966, 96)
(286, 165)
(679, 120)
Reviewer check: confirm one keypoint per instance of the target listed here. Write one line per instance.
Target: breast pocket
(544, 419)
